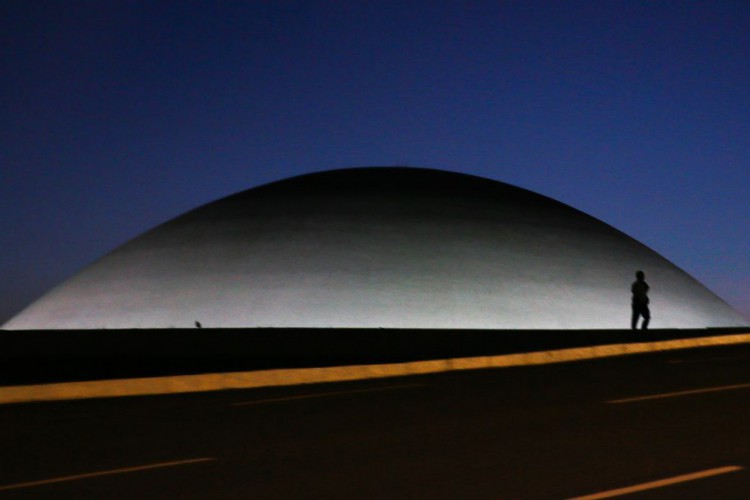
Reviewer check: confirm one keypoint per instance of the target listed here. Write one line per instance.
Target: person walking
(640, 302)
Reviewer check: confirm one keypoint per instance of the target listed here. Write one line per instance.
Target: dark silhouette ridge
(45, 356)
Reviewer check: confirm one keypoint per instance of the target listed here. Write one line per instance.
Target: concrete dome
(378, 247)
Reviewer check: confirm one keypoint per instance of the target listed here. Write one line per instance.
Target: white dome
(378, 247)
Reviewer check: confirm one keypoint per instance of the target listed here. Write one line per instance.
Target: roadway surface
(555, 431)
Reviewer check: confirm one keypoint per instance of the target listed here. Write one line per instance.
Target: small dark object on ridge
(198, 324)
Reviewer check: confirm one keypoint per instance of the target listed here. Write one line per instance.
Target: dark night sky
(118, 115)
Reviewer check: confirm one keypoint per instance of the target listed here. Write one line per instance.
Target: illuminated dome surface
(378, 247)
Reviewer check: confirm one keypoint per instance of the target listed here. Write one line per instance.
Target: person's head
(640, 275)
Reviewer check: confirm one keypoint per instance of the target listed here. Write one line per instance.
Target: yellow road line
(296, 376)
(326, 394)
(680, 393)
(88, 475)
(661, 483)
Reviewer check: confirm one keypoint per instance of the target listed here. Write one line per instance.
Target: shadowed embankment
(38, 357)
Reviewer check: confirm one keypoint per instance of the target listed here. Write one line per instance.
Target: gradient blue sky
(118, 115)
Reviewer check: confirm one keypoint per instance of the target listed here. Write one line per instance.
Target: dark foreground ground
(28, 357)
(531, 432)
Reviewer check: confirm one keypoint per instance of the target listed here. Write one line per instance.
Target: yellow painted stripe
(661, 483)
(63, 479)
(297, 376)
(681, 393)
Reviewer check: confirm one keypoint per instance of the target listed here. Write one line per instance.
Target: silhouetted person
(640, 301)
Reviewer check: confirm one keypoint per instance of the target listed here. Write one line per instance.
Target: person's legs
(634, 318)
(646, 313)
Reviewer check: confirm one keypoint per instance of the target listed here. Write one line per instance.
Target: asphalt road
(556, 431)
